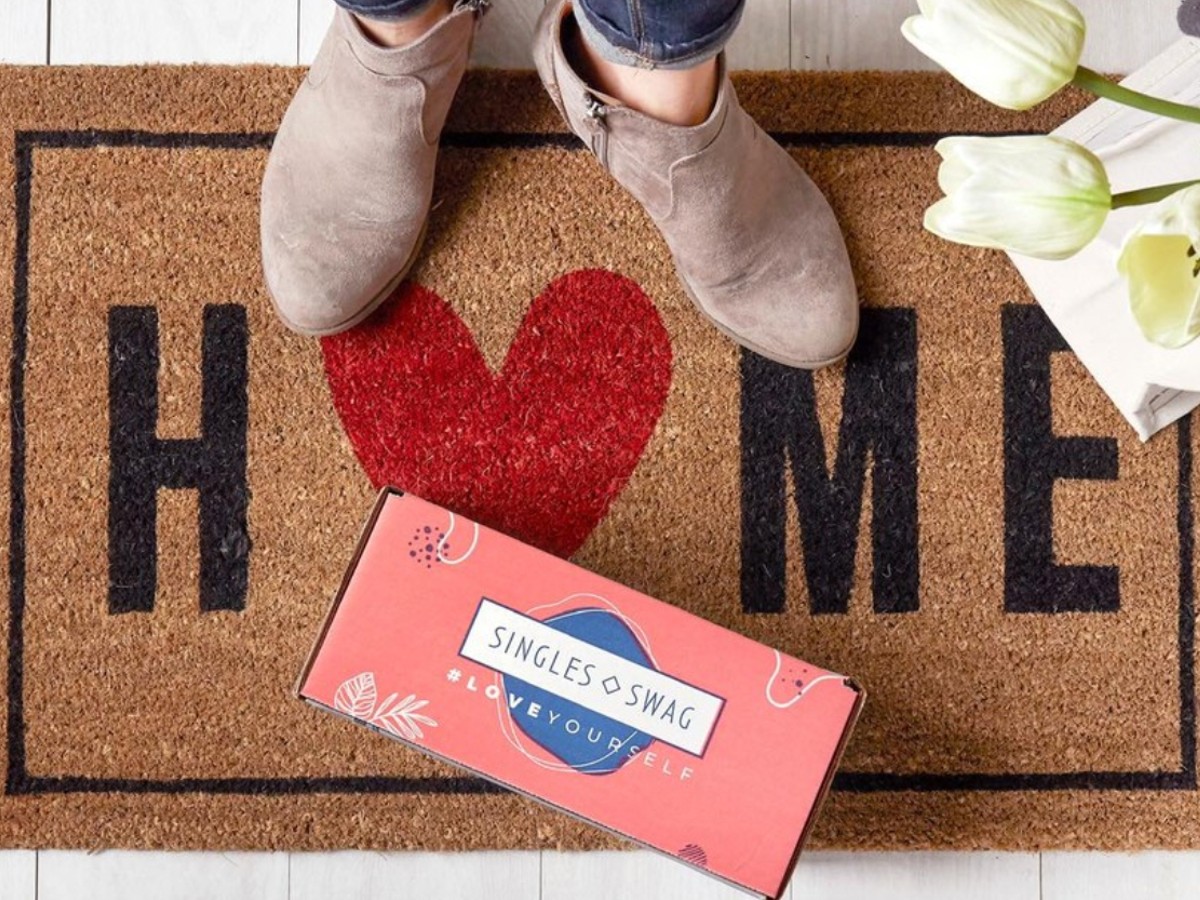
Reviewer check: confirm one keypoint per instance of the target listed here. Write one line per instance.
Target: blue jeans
(668, 34)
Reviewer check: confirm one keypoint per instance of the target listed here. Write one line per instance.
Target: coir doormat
(957, 516)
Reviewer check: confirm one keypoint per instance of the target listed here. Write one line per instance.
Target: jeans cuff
(617, 47)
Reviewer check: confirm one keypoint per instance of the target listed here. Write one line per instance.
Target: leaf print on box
(356, 697)
(402, 718)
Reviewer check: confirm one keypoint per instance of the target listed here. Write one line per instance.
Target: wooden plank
(1125, 36)
(315, 16)
(639, 873)
(18, 874)
(352, 875)
(917, 876)
(134, 875)
(1120, 876)
(181, 31)
(824, 34)
(852, 34)
(865, 34)
(23, 31)
(762, 38)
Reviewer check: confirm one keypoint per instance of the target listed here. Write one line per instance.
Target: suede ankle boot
(349, 181)
(755, 244)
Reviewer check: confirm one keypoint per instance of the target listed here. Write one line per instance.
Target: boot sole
(366, 311)
(807, 365)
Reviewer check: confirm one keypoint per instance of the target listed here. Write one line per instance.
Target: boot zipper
(479, 7)
(597, 112)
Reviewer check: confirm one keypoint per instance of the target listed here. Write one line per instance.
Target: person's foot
(349, 181)
(755, 244)
(675, 96)
(407, 29)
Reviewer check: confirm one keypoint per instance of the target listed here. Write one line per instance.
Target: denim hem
(388, 12)
(615, 46)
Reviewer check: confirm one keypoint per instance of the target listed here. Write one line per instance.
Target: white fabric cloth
(1084, 296)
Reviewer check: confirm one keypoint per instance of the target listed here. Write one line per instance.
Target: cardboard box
(546, 678)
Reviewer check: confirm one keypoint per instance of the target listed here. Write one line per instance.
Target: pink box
(548, 679)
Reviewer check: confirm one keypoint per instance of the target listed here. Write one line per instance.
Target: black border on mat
(20, 781)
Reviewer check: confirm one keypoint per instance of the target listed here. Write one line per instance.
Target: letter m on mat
(781, 433)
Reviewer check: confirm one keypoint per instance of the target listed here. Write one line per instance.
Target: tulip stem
(1095, 83)
(1142, 196)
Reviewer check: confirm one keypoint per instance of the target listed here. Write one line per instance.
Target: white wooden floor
(776, 34)
(125, 875)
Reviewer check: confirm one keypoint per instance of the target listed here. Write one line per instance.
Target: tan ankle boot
(350, 177)
(755, 243)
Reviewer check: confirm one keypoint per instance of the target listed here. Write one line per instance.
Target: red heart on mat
(539, 450)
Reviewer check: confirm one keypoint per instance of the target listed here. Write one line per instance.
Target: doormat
(956, 516)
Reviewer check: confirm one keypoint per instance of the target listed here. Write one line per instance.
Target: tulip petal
(1164, 293)
(1036, 195)
(1014, 53)
(952, 175)
(1159, 262)
(944, 220)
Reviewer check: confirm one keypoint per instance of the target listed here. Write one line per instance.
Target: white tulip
(1037, 195)
(1159, 262)
(1014, 53)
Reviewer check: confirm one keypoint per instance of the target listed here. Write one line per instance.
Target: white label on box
(600, 681)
